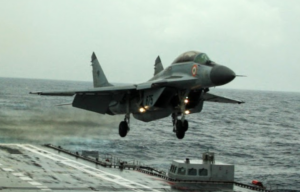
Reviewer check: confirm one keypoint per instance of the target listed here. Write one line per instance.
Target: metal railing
(106, 161)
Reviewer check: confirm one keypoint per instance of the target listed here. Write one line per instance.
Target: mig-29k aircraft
(178, 90)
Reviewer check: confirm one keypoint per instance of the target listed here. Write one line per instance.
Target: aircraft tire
(185, 125)
(123, 129)
(180, 131)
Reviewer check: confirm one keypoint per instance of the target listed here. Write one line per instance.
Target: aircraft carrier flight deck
(26, 167)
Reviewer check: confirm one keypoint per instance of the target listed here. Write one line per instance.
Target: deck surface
(25, 167)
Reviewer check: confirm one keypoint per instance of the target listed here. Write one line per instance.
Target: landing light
(187, 112)
(186, 101)
(142, 110)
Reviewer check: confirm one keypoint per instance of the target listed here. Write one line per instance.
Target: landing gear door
(151, 96)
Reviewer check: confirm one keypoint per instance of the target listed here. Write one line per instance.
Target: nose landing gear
(180, 126)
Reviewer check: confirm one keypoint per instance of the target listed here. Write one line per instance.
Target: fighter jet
(177, 91)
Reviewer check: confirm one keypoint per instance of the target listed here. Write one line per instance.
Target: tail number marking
(149, 100)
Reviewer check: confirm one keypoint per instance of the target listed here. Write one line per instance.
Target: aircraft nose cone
(221, 75)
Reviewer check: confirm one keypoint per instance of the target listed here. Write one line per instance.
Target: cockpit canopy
(192, 56)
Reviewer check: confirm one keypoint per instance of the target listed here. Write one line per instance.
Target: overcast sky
(54, 39)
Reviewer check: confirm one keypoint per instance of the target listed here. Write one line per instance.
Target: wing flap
(219, 99)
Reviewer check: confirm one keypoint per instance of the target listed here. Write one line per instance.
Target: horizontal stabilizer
(219, 99)
(92, 103)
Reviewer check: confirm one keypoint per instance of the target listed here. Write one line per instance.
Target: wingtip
(157, 60)
(35, 93)
(93, 56)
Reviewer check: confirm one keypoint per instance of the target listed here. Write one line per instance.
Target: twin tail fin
(99, 77)
(158, 67)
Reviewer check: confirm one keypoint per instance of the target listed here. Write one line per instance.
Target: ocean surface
(260, 137)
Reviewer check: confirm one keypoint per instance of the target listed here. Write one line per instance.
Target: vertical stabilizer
(98, 74)
(158, 67)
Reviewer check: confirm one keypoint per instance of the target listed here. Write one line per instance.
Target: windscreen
(202, 58)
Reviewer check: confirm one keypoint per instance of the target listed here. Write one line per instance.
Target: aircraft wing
(219, 99)
(170, 82)
(95, 91)
(97, 99)
(177, 81)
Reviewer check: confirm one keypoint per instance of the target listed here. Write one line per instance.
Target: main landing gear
(180, 126)
(124, 126)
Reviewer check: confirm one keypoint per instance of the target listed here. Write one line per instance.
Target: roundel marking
(194, 70)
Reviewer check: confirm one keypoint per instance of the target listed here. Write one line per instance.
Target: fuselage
(191, 72)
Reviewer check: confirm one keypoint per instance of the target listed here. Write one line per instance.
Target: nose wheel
(179, 126)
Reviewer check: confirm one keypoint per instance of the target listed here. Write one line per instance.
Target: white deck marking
(10, 144)
(7, 169)
(42, 187)
(19, 174)
(26, 178)
(84, 168)
(34, 183)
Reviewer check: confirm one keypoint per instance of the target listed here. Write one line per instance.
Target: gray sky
(55, 39)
